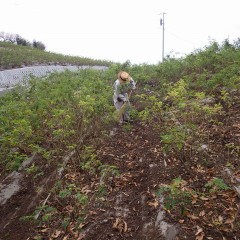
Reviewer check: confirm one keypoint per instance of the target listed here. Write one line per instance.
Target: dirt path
(132, 210)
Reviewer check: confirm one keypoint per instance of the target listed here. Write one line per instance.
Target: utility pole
(162, 21)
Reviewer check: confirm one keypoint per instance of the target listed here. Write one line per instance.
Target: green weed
(176, 195)
(32, 169)
(216, 184)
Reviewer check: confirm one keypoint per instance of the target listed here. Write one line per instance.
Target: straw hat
(123, 76)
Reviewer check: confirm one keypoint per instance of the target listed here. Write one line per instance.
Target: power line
(183, 39)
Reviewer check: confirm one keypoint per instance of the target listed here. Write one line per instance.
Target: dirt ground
(129, 206)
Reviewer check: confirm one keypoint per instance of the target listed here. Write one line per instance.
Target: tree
(8, 37)
(38, 45)
(22, 41)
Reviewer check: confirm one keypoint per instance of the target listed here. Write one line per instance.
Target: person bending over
(122, 86)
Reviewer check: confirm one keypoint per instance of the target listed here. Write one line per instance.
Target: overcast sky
(122, 30)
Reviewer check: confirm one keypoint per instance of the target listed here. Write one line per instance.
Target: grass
(12, 56)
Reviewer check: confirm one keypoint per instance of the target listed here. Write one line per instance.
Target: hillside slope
(173, 173)
(15, 56)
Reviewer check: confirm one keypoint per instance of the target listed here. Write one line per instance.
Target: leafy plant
(47, 212)
(176, 136)
(216, 184)
(102, 190)
(89, 160)
(65, 193)
(81, 198)
(32, 169)
(52, 113)
(176, 195)
(126, 127)
(65, 223)
(108, 170)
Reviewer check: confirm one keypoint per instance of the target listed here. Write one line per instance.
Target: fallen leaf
(193, 217)
(81, 236)
(81, 225)
(115, 224)
(129, 164)
(210, 213)
(229, 221)
(120, 225)
(204, 198)
(37, 237)
(202, 213)
(69, 208)
(200, 237)
(220, 219)
(112, 155)
(56, 234)
(92, 213)
(165, 163)
(125, 227)
(86, 191)
(213, 197)
(199, 230)
(44, 230)
(194, 199)
(153, 204)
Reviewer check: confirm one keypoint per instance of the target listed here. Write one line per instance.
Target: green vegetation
(216, 184)
(53, 115)
(12, 56)
(177, 195)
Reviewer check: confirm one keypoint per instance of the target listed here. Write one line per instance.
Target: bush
(38, 45)
(22, 41)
